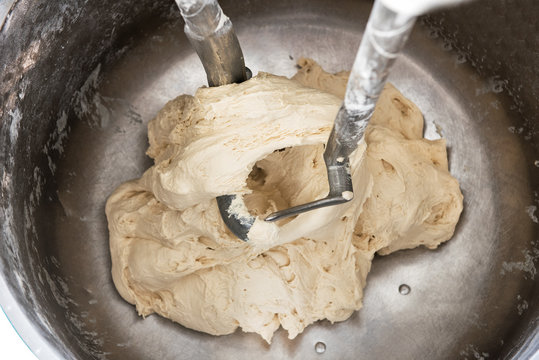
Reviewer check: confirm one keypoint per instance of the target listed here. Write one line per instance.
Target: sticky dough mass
(264, 139)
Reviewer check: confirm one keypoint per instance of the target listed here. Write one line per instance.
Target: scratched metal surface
(79, 82)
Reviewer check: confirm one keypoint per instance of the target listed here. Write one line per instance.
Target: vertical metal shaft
(212, 35)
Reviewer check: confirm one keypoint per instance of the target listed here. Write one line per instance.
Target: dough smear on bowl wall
(264, 139)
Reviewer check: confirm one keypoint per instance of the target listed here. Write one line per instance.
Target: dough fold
(263, 139)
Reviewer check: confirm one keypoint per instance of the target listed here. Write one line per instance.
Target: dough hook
(389, 25)
(212, 35)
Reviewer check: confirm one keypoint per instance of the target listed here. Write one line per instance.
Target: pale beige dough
(172, 254)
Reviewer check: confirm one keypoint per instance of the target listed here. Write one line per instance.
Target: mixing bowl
(81, 79)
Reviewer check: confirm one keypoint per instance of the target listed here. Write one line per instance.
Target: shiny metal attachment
(212, 35)
(385, 35)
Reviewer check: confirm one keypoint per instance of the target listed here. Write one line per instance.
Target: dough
(264, 139)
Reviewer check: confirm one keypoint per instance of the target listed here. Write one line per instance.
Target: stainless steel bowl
(79, 82)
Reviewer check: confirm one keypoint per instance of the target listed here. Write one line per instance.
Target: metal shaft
(212, 35)
(384, 37)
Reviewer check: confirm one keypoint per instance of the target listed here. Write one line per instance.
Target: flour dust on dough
(263, 139)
